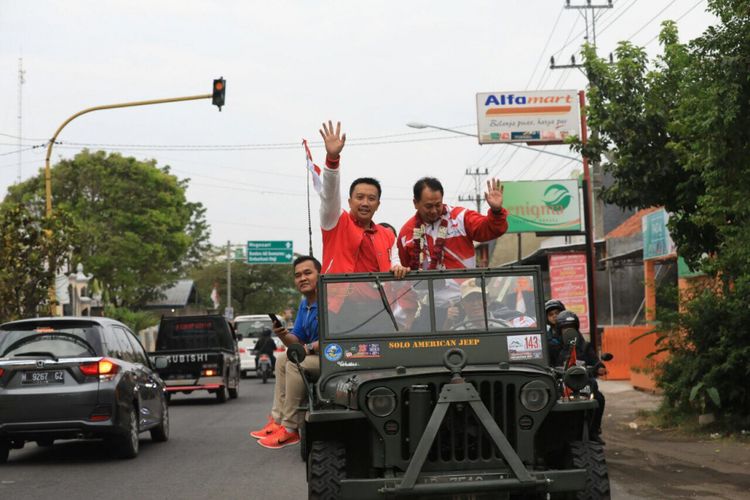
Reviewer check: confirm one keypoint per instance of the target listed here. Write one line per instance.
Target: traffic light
(220, 87)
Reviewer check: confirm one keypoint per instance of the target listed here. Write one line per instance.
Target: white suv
(250, 327)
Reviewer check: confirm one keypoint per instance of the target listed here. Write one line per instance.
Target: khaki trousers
(290, 389)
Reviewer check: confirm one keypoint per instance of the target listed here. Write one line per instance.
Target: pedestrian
(440, 236)
(289, 391)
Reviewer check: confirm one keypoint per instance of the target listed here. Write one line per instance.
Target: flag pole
(309, 217)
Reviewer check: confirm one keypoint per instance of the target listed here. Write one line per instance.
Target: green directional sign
(270, 252)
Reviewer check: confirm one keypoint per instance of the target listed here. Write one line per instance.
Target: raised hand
(494, 194)
(334, 140)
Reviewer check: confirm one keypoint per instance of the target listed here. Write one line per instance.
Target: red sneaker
(271, 428)
(279, 439)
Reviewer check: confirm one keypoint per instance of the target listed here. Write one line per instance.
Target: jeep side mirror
(161, 362)
(296, 353)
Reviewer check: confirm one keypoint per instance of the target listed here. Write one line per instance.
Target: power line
(676, 20)
(544, 50)
(651, 20)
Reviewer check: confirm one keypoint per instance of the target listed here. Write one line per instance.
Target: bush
(135, 320)
(709, 354)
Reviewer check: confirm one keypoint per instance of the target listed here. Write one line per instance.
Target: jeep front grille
(461, 437)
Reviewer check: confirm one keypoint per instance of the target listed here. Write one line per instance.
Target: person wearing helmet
(265, 345)
(552, 308)
(566, 320)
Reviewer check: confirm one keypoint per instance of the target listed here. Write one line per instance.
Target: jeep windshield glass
(431, 306)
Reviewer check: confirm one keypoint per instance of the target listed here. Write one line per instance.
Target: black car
(75, 377)
(198, 353)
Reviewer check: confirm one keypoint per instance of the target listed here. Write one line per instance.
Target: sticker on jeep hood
(522, 347)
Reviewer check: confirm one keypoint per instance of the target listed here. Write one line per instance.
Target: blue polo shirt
(306, 325)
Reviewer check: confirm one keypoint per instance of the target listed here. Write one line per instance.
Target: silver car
(75, 377)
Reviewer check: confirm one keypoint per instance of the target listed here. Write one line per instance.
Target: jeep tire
(589, 456)
(327, 464)
(4, 451)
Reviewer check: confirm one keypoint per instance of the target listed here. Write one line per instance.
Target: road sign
(269, 252)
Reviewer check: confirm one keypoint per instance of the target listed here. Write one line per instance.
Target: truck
(440, 385)
(200, 354)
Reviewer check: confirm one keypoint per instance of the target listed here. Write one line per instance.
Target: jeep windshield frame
(357, 313)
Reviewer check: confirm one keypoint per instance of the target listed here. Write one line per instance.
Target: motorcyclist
(265, 345)
(560, 354)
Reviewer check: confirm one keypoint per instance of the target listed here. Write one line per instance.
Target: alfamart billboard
(542, 116)
(542, 206)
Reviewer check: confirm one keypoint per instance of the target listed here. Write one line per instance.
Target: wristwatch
(309, 348)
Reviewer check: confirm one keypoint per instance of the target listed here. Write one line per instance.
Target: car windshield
(252, 328)
(430, 305)
(57, 341)
(193, 333)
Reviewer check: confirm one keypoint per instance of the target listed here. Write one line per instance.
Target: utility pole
(591, 205)
(482, 249)
(21, 81)
(228, 312)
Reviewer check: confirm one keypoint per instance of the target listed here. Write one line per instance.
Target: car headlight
(381, 401)
(535, 395)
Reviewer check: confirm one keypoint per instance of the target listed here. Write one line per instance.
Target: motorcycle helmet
(566, 320)
(553, 304)
(266, 332)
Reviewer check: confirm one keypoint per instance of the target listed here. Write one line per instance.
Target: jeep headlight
(381, 401)
(535, 395)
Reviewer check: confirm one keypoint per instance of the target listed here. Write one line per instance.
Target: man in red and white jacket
(352, 242)
(439, 236)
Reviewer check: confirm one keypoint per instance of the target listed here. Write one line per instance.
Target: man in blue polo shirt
(281, 429)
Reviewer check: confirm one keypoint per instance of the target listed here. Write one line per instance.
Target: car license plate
(43, 377)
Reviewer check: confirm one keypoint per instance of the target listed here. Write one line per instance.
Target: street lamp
(419, 125)
(218, 93)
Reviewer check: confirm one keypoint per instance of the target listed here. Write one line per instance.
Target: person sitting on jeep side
(283, 423)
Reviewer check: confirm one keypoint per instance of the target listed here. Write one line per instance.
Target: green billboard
(549, 206)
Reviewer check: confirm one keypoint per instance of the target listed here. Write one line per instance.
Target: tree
(26, 243)
(256, 289)
(132, 226)
(679, 133)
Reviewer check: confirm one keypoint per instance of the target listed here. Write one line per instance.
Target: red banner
(567, 277)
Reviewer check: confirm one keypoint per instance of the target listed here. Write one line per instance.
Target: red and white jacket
(342, 235)
(464, 228)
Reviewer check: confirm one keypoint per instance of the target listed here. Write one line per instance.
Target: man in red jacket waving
(440, 236)
(352, 242)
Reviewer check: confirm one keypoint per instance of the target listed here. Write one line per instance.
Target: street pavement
(210, 455)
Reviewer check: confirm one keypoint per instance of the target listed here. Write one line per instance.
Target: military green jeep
(439, 385)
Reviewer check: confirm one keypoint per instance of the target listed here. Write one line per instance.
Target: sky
(290, 65)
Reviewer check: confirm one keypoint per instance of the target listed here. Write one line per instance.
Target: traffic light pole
(48, 172)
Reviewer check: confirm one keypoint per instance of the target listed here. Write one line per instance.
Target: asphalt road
(209, 455)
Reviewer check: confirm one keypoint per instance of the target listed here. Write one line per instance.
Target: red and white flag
(314, 169)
